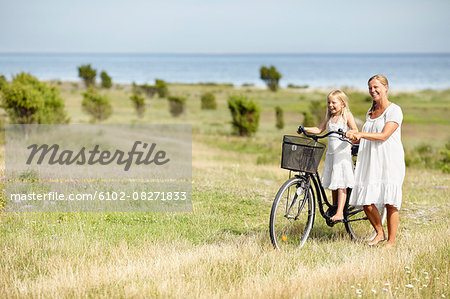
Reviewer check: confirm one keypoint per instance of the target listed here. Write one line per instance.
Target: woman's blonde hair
(383, 80)
(342, 97)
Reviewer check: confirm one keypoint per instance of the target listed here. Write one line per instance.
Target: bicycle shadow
(322, 232)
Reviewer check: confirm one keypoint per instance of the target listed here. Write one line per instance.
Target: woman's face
(377, 90)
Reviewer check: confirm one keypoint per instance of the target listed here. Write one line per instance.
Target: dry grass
(242, 268)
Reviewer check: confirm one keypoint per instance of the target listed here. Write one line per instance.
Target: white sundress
(338, 167)
(380, 167)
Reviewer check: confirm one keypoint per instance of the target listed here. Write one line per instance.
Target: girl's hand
(349, 134)
(353, 135)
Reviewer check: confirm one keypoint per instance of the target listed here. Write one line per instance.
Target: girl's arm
(317, 130)
(388, 130)
(351, 122)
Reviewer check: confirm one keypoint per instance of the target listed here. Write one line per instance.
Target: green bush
(308, 120)
(149, 90)
(106, 80)
(426, 156)
(318, 109)
(29, 101)
(270, 76)
(445, 158)
(161, 88)
(245, 115)
(3, 82)
(176, 105)
(97, 105)
(88, 74)
(279, 118)
(208, 101)
(139, 104)
(290, 85)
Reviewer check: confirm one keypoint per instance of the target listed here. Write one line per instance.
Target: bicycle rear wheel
(358, 225)
(292, 214)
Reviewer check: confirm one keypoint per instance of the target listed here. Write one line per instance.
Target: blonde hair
(342, 97)
(384, 81)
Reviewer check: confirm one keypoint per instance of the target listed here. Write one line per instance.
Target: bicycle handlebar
(341, 133)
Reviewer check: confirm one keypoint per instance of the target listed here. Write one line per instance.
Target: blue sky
(232, 26)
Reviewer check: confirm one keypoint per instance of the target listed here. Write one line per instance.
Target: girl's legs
(334, 194)
(341, 195)
(392, 225)
(375, 219)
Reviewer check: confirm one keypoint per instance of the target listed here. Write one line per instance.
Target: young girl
(338, 168)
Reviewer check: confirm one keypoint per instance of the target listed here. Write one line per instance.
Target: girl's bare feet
(378, 238)
(337, 218)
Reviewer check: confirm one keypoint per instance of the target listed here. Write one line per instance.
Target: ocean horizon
(410, 71)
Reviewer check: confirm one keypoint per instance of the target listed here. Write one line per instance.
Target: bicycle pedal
(331, 211)
(329, 222)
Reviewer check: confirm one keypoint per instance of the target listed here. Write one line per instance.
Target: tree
(161, 88)
(106, 80)
(88, 74)
(279, 117)
(30, 101)
(176, 105)
(270, 76)
(139, 104)
(245, 115)
(208, 101)
(96, 105)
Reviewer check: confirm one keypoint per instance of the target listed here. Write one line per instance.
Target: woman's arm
(317, 130)
(388, 130)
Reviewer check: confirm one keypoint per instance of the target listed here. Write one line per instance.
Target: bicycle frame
(318, 190)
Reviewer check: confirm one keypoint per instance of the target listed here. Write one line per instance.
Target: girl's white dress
(338, 167)
(380, 167)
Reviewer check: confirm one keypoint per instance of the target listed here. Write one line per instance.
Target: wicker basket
(300, 154)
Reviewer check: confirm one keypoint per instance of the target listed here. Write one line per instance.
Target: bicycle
(293, 211)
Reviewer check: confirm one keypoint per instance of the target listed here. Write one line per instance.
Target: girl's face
(377, 90)
(334, 105)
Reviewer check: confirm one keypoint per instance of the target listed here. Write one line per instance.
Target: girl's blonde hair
(384, 81)
(342, 97)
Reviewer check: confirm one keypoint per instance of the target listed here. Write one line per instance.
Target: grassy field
(222, 248)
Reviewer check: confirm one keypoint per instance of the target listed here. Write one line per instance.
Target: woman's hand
(353, 135)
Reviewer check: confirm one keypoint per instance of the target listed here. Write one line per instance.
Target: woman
(380, 168)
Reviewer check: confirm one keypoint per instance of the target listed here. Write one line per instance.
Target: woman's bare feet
(378, 238)
(389, 245)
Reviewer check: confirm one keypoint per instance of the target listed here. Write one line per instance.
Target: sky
(231, 26)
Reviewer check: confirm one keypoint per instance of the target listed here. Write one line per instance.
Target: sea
(404, 71)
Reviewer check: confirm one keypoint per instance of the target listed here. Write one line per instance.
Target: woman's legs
(392, 225)
(341, 195)
(375, 219)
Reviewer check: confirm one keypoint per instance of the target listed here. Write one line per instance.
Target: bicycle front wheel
(358, 225)
(292, 214)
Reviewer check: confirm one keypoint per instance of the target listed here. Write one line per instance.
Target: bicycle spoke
(294, 200)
